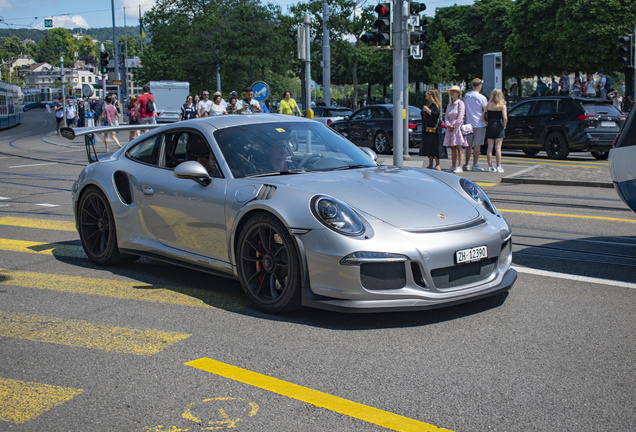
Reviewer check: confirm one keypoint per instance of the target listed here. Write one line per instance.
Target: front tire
(381, 143)
(268, 265)
(531, 152)
(97, 229)
(556, 146)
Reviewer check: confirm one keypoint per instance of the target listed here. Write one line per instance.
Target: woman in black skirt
(431, 145)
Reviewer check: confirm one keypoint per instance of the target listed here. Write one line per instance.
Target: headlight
(336, 215)
(478, 194)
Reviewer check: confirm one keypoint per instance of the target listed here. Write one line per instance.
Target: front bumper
(426, 278)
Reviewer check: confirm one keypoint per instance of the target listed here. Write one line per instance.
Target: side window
(543, 107)
(175, 149)
(377, 113)
(317, 112)
(190, 146)
(563, 107)
(521, 110)
(147, 151)
(364, 114)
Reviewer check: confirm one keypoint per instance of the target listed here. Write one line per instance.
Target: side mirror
(193, 170)
(370, 153)
(347, 118)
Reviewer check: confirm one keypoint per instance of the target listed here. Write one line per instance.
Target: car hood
(403, 197)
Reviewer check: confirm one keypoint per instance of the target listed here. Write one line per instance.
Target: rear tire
(556, 146)
(600, 155)
(531, 152)
(97, 229)
(381, 143)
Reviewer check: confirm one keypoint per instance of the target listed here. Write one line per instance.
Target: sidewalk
(562, 173)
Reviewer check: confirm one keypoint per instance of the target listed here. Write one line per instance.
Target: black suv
(562, 124)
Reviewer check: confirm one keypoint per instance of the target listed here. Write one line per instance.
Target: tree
(56, 43)
(134, 45)
(11, 47)
(442, 68)
(86, 50)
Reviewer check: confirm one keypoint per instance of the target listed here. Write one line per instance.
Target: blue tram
(10, 105)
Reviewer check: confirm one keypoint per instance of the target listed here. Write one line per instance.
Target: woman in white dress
(217, 108)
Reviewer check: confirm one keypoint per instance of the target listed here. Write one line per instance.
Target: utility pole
(326, 55)
(125, 81)
(63, 91)
(115, 56)
(307, 103)
(405, 45)
(102, 49)
(398, 86)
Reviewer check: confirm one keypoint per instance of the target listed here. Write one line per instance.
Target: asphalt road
(137, 347)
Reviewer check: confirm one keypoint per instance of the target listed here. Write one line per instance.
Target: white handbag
(467, 129)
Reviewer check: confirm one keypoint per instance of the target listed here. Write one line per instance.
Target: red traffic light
(382, 9)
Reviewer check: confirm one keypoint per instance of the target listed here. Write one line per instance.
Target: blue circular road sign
(261, 91)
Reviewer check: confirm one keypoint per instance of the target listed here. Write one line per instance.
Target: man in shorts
(475, 106)
(146, 117)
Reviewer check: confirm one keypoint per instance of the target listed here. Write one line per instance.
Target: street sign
(48, 23)
(117, 82)
(88, 90)
(416, 52)
(261, 90)
(414, 20)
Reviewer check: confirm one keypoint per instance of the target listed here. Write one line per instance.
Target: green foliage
(57, 42)
(442, 68)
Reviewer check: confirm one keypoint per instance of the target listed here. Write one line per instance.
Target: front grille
(383, 276)
(463, 274)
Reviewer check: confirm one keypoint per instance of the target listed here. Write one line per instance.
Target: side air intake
(265, 192)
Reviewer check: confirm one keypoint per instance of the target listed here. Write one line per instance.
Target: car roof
(224, 121)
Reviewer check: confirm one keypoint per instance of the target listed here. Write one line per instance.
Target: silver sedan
(295, 212)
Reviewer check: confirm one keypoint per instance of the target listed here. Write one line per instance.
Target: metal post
(398, 88)
(405, 77)
(102, 49)
(633, 64)
(326, 55)
(126, 85)
(307, 103)
(63, 92)
(115, 56)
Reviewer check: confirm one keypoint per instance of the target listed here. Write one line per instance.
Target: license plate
(608, 124)
(470, 255)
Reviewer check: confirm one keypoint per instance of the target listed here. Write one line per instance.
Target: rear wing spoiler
(89, 135)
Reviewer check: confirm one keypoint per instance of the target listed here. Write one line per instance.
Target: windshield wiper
(346, 167)
(285, 172)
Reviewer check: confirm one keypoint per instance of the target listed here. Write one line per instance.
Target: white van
(169, 97)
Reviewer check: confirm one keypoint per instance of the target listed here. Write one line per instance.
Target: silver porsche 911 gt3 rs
(295, 212)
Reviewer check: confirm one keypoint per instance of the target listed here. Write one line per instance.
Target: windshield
(287, 148)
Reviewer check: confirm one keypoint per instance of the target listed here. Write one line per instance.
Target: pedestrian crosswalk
(38, 272)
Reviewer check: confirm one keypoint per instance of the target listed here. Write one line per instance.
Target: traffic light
(415, 8)
(383, 24)
(626, 49)
(103, 61)
(298, 34)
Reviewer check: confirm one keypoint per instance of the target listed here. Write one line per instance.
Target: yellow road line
(486, 184)
(314, 397)
(57, 249)
(82, 334)
(574, 161)
(38, 223)
(521, 161)
(23, 401)
(569, 215)
(181, 296)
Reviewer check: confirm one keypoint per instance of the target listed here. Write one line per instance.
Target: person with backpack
(146, 104)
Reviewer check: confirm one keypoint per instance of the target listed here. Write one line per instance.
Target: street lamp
(63, 91)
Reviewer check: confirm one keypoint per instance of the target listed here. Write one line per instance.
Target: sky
(82, 13)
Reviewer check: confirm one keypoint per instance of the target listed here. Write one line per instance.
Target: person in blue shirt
(541, 88)
(264, 108)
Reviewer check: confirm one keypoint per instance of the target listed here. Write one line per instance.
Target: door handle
(147, 190)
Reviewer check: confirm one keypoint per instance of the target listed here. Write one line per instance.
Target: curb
(557, 182)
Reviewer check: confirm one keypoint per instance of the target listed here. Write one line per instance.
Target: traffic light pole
(398, 86)
(307, 102)
(63, 92)
(326, 55)
(405, 78)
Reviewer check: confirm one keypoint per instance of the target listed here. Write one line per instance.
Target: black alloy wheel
(556, 147)
(531, 152)
(381, 143)
(600, 155)
(268, 265)
(97, 229)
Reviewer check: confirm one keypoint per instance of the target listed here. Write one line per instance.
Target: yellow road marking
(486, 184)
(23, 401)
(192, 297)
(82, 334)
(38, 223)
(314, 397)
(573, 165)
(569, 215)
(57, 249)
(572, 161)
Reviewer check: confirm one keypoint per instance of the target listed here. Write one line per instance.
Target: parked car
(563, 124)
(373, 126)
(321, 226)
(622, 162)
(327, 115)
